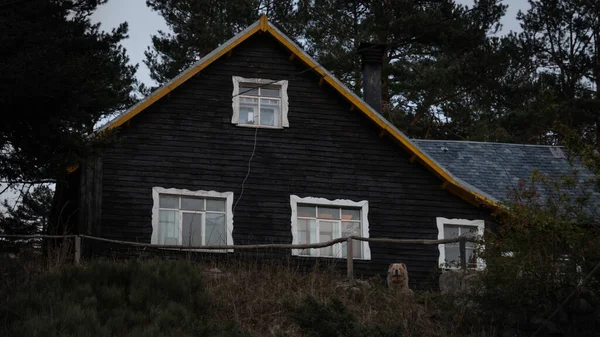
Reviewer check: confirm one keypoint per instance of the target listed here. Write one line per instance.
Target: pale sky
(143, 23)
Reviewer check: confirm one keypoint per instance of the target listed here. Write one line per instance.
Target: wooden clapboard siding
(186, 141)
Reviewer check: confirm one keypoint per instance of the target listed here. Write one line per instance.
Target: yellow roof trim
(362, 106)
(460, 188)
(183, 77)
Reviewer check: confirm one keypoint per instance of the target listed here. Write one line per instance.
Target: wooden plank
(349, 259)
(188, 142)
(77, 250)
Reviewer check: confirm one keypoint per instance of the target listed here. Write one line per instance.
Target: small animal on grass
(397, 277)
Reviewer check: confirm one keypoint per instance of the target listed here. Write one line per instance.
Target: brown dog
(397, 277)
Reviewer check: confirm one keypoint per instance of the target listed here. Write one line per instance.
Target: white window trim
(479, 224)
(228, 196)
(364, 214)
(235, 104)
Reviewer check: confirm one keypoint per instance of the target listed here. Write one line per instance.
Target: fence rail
(349, 240)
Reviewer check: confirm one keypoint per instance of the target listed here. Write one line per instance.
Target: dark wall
(186, 140)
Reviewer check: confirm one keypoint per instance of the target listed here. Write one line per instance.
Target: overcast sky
(143, 23)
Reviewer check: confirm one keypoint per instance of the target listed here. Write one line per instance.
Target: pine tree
(562, 39)
(28, 217)
(199, 26)
(59, 75)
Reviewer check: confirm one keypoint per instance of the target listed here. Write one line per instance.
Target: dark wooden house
(258, 143)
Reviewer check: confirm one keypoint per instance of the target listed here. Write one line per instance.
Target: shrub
(334, 319)
(547, 242)
(155, 298)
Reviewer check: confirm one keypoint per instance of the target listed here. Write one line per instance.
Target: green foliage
(333, 319)
(547, 242)
(199, 26)
(155, 298)
(27, 218)
(59, 75)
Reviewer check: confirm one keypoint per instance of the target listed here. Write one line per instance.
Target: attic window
(259, 103)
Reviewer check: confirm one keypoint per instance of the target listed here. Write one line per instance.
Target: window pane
(269, 92)
(192, 229)
(451, 232)
(251, 101)
(307, 211)
(307, 233)
(168, 201)
(192, 204)
(329, 213)
(216, 232)
(248, 89)
(471, 258)
(350, 214)
(326, 234)
(269, 116)
(452, 256)
(269, 102)
(350, 228)
(168, 228)
(468, 231)
(247, 114)
(217, 205)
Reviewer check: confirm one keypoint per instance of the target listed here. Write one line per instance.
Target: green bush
(154, 298)
(547, 243)
(334, 320)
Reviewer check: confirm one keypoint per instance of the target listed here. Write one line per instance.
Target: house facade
(258, 143)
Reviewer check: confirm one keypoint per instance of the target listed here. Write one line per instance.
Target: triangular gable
(450, 182)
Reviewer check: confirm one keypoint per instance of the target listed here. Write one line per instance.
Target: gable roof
(496, 167)
(450, 182)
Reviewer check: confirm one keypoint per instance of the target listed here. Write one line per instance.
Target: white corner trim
(480, 224)
(228, 196)
(235, 101)
(364, 207)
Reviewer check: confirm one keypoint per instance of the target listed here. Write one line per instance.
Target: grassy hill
(181, 298)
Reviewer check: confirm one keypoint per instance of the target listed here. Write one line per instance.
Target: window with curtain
(323, 220)
(192, 220)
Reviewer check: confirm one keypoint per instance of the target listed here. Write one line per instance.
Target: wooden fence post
(463, 253)
(77, 249)
(349, 260)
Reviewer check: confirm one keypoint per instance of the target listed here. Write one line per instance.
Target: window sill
(330, 257)
(220, 251)
(259, 126)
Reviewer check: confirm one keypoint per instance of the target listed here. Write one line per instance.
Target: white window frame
(227, 196)
(478, 224)
(284, 102)
(364, 216)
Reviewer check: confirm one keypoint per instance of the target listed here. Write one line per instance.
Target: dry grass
(260, 299)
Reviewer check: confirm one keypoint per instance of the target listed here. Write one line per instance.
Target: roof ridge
(482, 142)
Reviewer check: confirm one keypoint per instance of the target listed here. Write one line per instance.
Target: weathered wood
(222, 247)
(349, 259)
(18, 236)
(411, 241)
(77, 249)
(330, 150)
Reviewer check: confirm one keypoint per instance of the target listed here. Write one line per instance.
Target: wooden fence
(349, 243)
